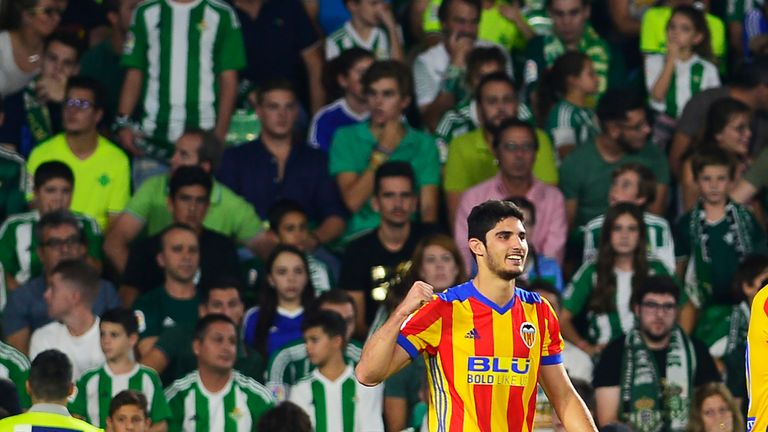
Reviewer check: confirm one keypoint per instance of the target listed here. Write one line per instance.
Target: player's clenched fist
(420, 293)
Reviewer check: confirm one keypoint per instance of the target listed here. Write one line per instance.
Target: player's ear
(477, 247)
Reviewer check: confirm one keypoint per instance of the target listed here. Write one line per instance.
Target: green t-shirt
(407, 383)
(236, 408)
(351, 152)
(653, 33)
(571, 124)
(18, 244)
(15, 366)
(228, 213)
(604, 327)
(97, 387)
(471, 161)
(156, 310)
(181, 48)
(586, 177)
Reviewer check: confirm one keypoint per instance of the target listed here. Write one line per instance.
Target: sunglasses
(81, 104)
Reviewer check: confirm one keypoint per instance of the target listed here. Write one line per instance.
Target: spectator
(372, 261)
(53, 187)
(600, 291)
(13, 175)
(288, 291)
(290, 223)
(285, 417)
(128, 412)
(749, 84)
(710, 241)
(189, 195)
(585, 174)
(59, 237)
(290, 363)
(189, 78)
(634, 183)
(715, 409)
(277, 166)
(537, 266)
(471, 156)
(229, 398)
(358, 151)
(347, 71)
(14, 367)
(505, 24)
(75, 331)
(515, 144)
(9, 401)
(102, 172)
(571, 31)
(752, 40)
(563, 102)
(28, 22)
(176, 301)
(102, 61)
(228, 214)
(371, 26)
(33, 114)
(658, 356)
(682, 70)
(728, 129)
(96, 388)
(294, 52)
(172, 355)
(50, 385)
(325, 336)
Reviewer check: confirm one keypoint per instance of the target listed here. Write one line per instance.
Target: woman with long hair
(715, 410)
(286, 294)
(600, 291)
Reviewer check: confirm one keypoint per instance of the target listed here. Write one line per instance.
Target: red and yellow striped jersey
(757, 367)
(482, 359)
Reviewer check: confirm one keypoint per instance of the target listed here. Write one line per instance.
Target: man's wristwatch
(121, 121)
(377, 159)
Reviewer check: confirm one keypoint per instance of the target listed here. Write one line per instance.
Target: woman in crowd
(715, 410)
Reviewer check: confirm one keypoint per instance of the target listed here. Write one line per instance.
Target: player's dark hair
(84, 278)
(656, 284)
(485, 216)
(329, 321)
(510, 123)
(646, 186)
(56, 219)
(50, 376)
(125, 317)
(394, 69)
(285, 417)
(616, 104)
(87, 83)
(191, 175)
(50, 170)
(282, 208)
(201, 328)
(221, 282)
(129, 397)
(442, 10)
(210, 146)
(393, 169)
(603, 295)
(752, 266)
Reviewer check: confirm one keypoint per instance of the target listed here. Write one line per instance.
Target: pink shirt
(551, 223)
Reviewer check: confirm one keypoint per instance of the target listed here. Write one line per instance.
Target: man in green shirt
(585, 175)
(227, 214)
(215, 397)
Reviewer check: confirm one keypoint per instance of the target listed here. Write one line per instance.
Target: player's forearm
(129, 95)
(574, 414)
(378, 353)
(227, 96)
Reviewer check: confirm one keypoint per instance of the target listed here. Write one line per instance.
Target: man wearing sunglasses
(101, 169)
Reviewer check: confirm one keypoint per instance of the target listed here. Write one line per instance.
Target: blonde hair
(696, 422)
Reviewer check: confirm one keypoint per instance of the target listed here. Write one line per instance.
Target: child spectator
(119, 336)
(371, 26)
(673, 77)
(326, 394)
(128, 412)
(562, 98)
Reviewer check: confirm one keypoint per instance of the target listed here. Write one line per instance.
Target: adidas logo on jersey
(472, 334)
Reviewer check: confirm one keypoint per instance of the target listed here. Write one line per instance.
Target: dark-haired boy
(119, 336)
(128, 412)
(710, 241)
(326, 395)
(54, 184)
(371, 26)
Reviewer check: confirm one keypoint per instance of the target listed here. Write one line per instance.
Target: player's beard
(498, 269)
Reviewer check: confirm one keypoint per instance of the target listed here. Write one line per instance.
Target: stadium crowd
(207, 206)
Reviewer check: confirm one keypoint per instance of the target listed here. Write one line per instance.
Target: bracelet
(121, 121)
(377, 159)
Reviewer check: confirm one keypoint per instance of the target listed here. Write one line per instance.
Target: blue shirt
(755, 25)
(251, 171)
(27, 308)
(285, 329)
(15, 129)
(330, 118)
(547, 269)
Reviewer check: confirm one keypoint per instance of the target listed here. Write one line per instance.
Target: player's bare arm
(569, 406)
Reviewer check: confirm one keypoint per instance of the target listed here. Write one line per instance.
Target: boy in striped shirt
(128, 412)
(331, 395)
(372, 26)
(215, 397)
(95, 389)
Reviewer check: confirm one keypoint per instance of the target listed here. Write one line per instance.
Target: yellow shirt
(757, 367)
(102, 181)
(28, 421)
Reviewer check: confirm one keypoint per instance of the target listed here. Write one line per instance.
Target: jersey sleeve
(160, 410)
(422, 330)
(136, 43)
(552, 340)
(230, 48)
(579, 290)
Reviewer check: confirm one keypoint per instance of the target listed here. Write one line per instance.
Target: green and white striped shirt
(347, 37)
(235, 408)
(571, 124)
(343, 405)
(15, 366)
(181, 48)
(97, 387)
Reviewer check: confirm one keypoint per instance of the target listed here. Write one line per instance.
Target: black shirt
(367, 263)
(218, 256)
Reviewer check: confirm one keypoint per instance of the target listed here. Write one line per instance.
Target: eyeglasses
(58, 243)
(513, 147)
(654, 307)
(49, 11)
(80, 104)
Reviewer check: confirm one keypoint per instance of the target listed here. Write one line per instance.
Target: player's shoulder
(526, 296)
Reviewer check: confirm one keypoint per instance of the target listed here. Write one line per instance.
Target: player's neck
(213, 380)
(334, 367)
(121, 365)
(496, 289)
(79, 320)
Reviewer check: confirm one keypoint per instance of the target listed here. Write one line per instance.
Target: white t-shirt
(12, 79)
(84, 351)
